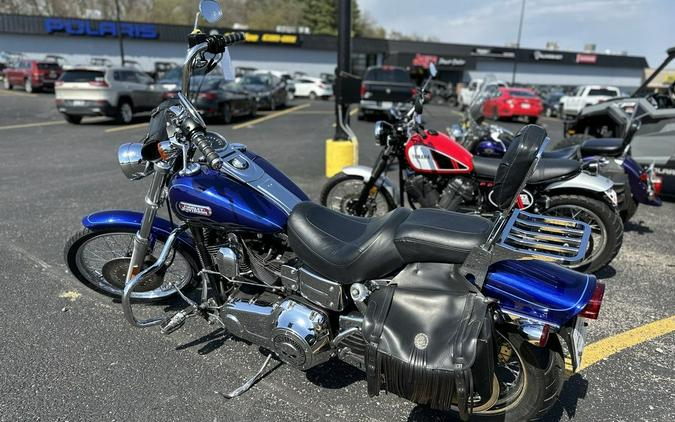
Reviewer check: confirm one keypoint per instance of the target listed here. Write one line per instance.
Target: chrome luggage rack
(562, 240)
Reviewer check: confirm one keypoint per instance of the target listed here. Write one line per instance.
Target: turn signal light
(592, 309)
(363, 90)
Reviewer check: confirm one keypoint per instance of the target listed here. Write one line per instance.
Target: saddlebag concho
(429, 340)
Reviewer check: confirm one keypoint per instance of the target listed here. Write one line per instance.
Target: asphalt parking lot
(68, 354)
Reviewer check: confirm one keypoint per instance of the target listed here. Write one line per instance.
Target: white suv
(313, 88)
(117, 92)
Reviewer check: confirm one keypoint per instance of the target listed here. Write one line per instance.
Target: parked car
(571, 105)
(383, 88)
(221, 99)
(313, 88)
(9, 59)
(551, 103)
(33, 75)
(284, 76)
(269, 90)
(512, 102)
(117, 92)
(466, 95)
(441, 92)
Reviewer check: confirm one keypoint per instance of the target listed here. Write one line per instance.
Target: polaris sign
(82, 27)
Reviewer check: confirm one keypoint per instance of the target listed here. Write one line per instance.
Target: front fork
(153, 200)
(361, 205)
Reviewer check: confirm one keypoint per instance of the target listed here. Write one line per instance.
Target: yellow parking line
(128, 127)
(458, 113)
(36, 124)
(270, 116)
(602, 349)
(353, 112)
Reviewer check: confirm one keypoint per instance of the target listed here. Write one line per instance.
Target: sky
(640, 27)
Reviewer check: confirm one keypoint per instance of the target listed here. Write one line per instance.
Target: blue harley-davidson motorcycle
(443, 309)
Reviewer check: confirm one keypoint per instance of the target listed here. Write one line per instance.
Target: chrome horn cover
(131, 161)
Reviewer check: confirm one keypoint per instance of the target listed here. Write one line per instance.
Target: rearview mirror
(432, 70)
(210, 10)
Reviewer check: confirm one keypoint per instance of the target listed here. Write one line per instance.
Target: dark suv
(33, 75)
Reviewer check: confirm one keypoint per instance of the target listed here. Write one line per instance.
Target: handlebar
(213, 160)
(214, 44)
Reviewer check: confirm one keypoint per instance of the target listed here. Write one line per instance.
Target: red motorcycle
(435, 171)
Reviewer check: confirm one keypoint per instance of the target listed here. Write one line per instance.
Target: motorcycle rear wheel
(342, 190)
(88, 252)
(606, 226)
(538, 383)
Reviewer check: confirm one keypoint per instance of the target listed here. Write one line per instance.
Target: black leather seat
(548, 169)
(610, 147)
(350, 249)
(569, 153)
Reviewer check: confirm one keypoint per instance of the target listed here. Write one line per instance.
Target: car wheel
(6, 83)
(28, 86)
(532, 119)
(273, 104)
(253, 111)
(125, 112)
(76, 120)
(549, 112)
(312, 96)
(226, 113)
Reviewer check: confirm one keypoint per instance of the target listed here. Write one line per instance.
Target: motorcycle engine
(298, 333)
(422, 191)
(459, 190)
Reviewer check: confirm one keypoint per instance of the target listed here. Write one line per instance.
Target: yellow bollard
(340, 154)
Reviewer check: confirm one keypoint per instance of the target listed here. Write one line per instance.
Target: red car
(33, 75)
(513, 102)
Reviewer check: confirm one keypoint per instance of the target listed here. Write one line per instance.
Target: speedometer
(216, 141)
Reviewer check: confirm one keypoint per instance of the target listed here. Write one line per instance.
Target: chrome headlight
(382, 132)
(456, 132)
(131, 161)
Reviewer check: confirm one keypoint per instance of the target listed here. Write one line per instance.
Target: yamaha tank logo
(91, 28)
(188, 208)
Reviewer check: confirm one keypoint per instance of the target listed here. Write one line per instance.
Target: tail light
(592, 309)
(99, 83)
(363, 90)
(413, 91)
(656, 182)
(208, 96)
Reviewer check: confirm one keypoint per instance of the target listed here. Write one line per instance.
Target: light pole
(520, 31)
(119, 32)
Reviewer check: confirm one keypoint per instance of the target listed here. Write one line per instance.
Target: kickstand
(248, 384)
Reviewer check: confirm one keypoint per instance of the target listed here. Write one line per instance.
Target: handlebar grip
(217, 43)
(213, 160)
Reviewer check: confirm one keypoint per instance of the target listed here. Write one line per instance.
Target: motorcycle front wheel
(99, 259)
(606, 228)
(342, 191)
(530, 379)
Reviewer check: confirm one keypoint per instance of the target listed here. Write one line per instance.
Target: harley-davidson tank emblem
(186, 207)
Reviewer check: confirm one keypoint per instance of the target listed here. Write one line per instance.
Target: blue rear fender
(117, 219)
(539, 289)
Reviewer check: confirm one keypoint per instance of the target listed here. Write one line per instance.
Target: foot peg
(169, 325)
(248, 384)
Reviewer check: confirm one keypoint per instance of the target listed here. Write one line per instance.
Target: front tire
(342, 190)
(125, 112)
(542, 369)
(28, 86)
(606, 227)
(99, 259)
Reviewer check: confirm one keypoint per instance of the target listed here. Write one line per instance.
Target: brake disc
(115, 273)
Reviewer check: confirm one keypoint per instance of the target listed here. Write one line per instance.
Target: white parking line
(35, 124)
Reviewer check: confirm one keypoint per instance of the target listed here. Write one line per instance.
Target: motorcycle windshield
(489, 88)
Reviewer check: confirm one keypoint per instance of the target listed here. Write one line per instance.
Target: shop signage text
(451, 61)
(489, 52)
(82, 27)
(586, 58)
(541, 55)
(424, 60)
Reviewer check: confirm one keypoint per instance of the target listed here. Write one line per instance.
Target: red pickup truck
(33, 75)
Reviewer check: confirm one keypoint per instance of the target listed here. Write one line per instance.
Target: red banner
(586, 58)
(424, 60)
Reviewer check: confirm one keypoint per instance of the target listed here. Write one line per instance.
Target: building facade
(78, 40)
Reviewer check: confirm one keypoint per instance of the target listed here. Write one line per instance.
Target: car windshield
(521, 93)
(387, 74)
(256, 80)
(176, 73)
(48, 66)
(602, 92)
(82, 75)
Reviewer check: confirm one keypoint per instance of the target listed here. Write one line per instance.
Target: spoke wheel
(598, 240)
(100, 261)
(342, 192)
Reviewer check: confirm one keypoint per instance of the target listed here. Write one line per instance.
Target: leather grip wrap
(217, 43)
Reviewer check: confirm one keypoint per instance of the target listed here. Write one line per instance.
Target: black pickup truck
(384, 87)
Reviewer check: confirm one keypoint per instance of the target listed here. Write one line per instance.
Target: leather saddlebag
(429, 340)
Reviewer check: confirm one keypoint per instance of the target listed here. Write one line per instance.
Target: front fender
(116, 219)
(364, 172)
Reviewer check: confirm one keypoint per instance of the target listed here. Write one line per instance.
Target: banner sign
(544, 55)
(586, 58)
(83, 27)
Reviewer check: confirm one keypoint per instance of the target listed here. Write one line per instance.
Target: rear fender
(597, 184)
(117, 219)
(364, 173)
(638, 187)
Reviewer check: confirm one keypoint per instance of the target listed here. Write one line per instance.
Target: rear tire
(226, 113)
(28, 86)
(92, 281)
(609, 223)
(543, 382)
(125, 112)
(75, 120)
(630, 211)
(352, 186)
